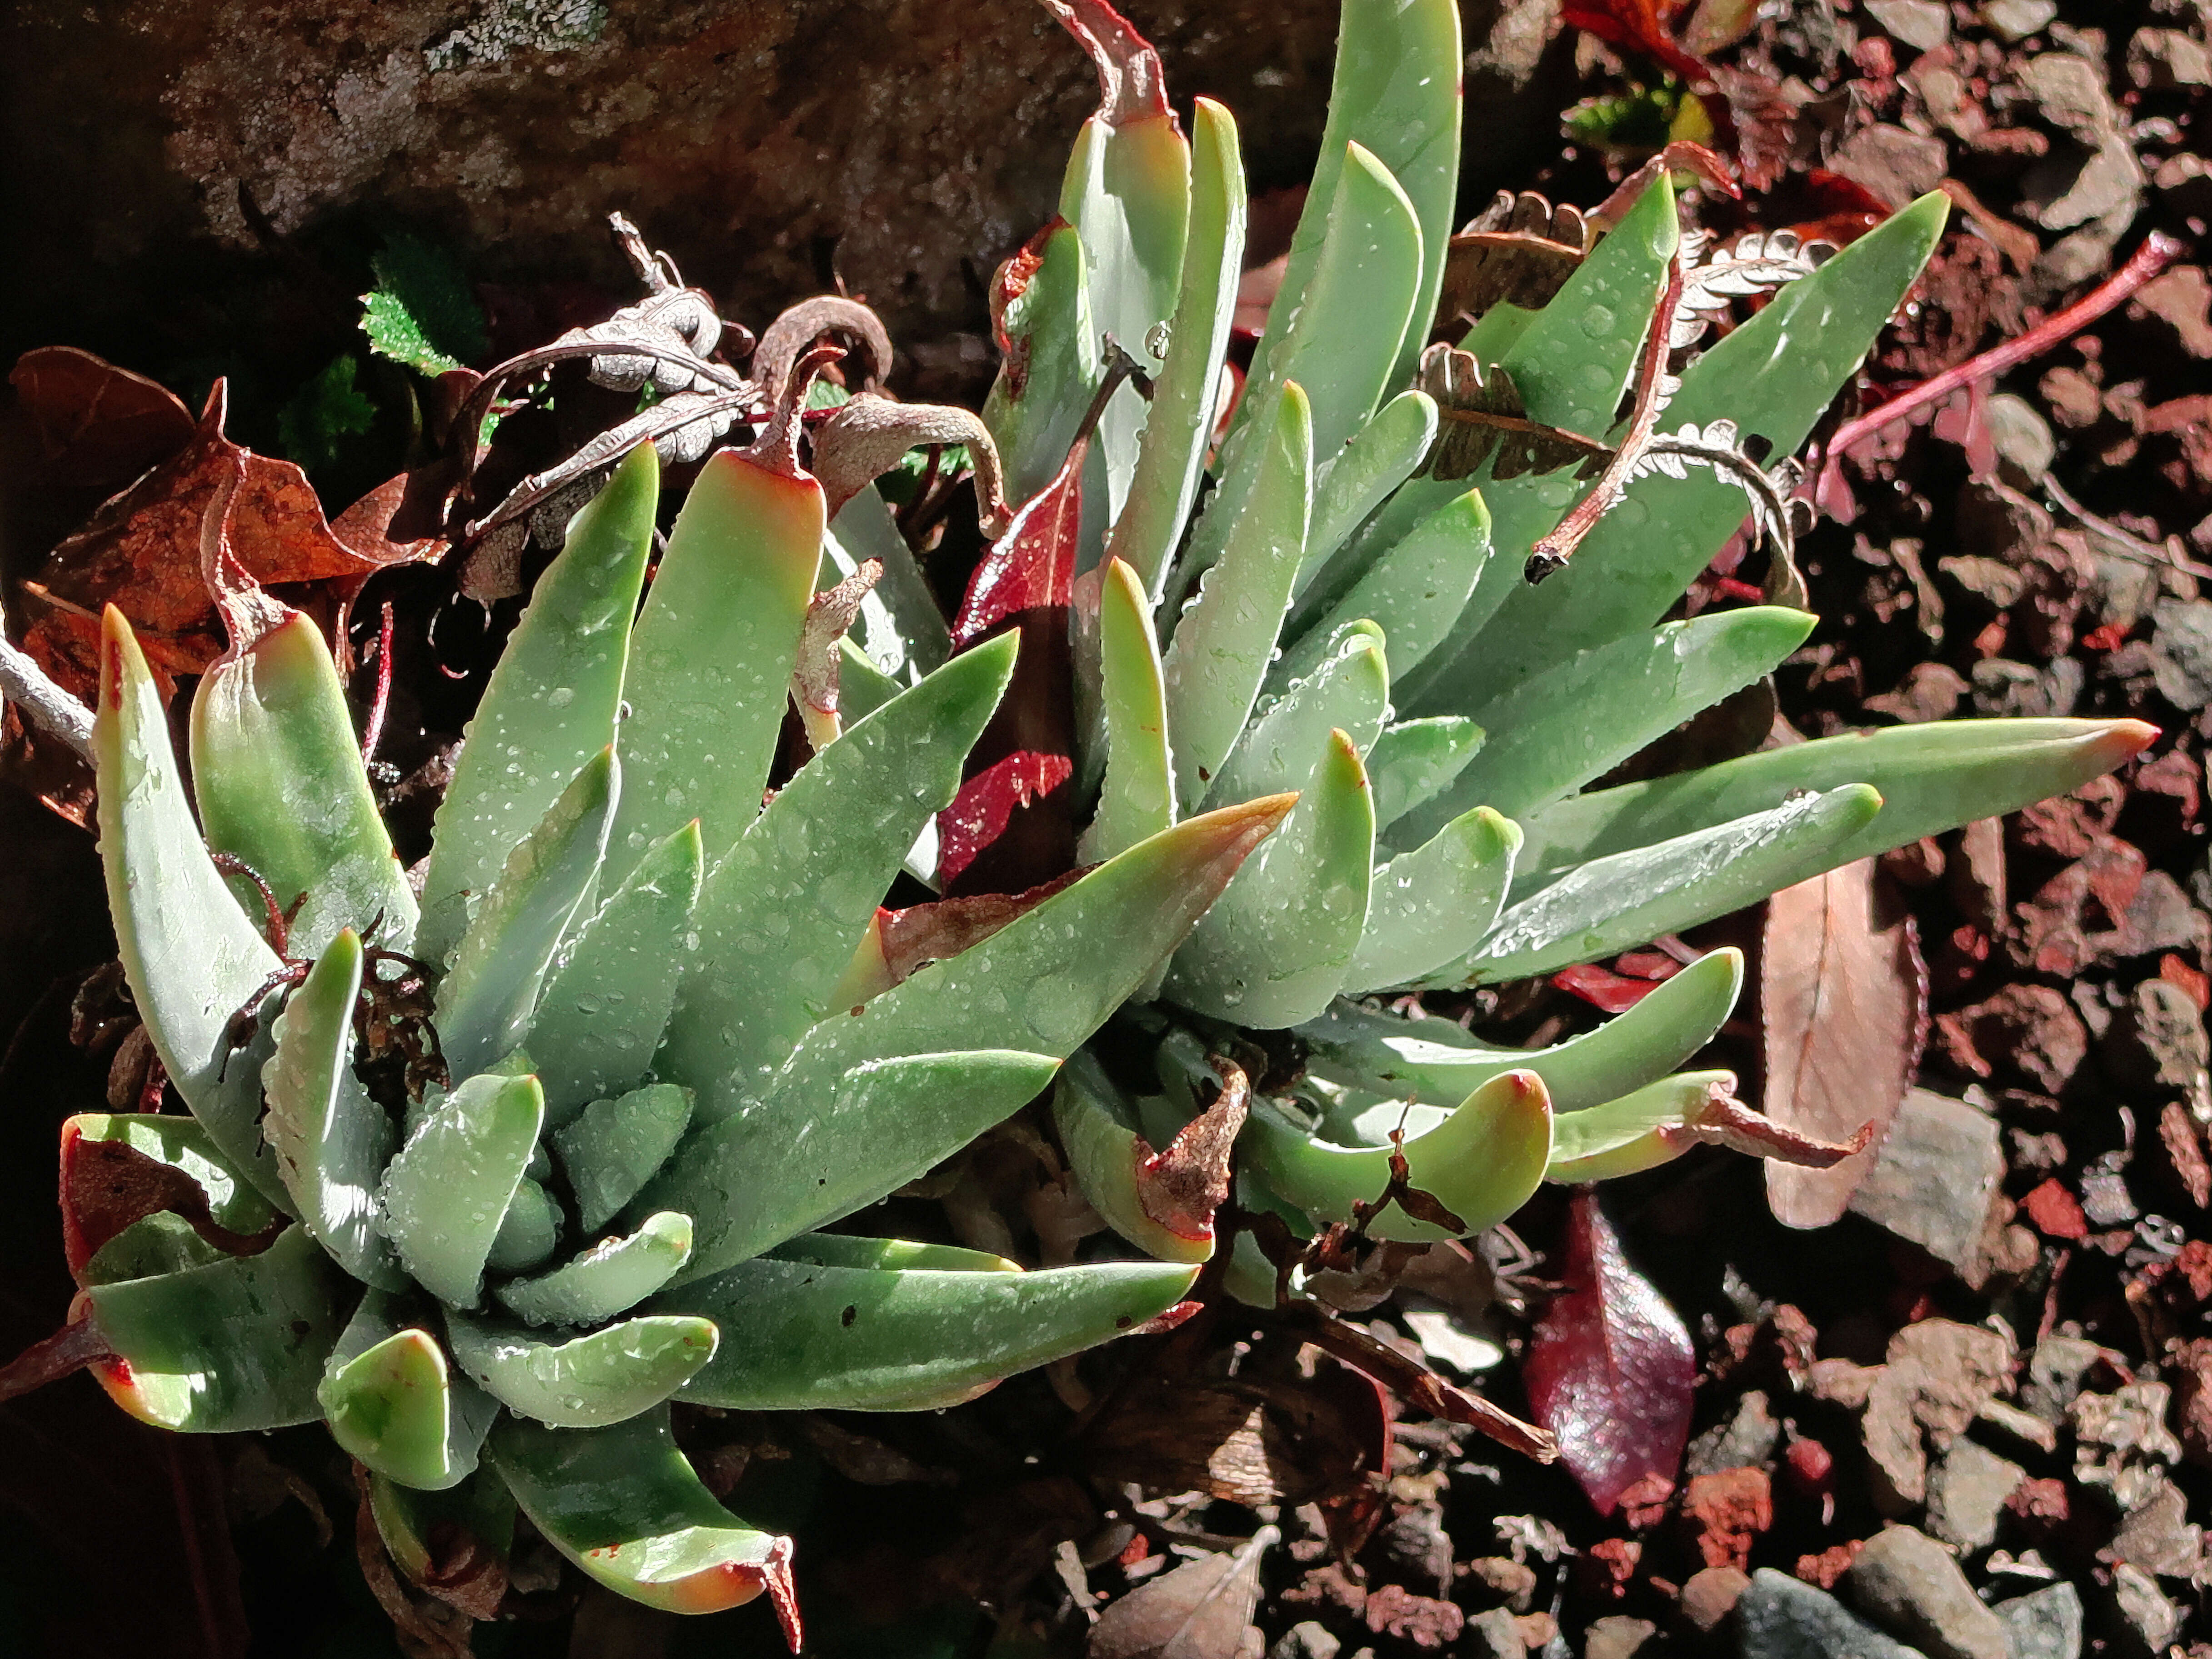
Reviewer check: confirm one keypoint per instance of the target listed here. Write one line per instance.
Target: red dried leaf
(1845, 1000)
(1636, 26)
(100, 425)
(1602, 988)
(1013, 825)
(1610, 1370)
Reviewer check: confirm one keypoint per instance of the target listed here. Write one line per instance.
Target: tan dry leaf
(1845, 996)
(1199, 1611)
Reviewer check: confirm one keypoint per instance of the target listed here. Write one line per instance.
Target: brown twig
(71, 1348)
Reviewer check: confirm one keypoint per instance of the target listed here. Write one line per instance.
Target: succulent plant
(1242, 724)
(1374, 607)
(487, 1180)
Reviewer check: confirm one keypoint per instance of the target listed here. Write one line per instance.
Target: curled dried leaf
(1183, 1184)
(797, 331)
(1481, 418)
(1520, 248)
(1132, 84)
(867, 436)
(1724, 1120)
(814, 676)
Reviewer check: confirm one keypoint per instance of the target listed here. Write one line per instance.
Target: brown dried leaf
(1845, 996)
(140, 552)
(1480, 415)
(1199, 1611)
(100, 425)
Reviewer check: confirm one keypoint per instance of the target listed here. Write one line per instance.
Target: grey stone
(1747, 1440)
(2002, 687)
(2069, 91)
(2025, 447)
(1912, 1586)
(1966, 1492)
(2166, 60)
(2057, 1372)
(1780, 1618)
(2013, 21)
(1934, 1179)
(1894, 165)
(1306, 1640)
(1921, 24)
(2157, 1536)
(2100, 187)
(2181, 651)
(2146, 1622)
(2045, 1625)
(1493, 1635)
(1617, 1636)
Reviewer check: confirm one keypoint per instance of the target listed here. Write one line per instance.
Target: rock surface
(1910, 1585)
(1781, 1619)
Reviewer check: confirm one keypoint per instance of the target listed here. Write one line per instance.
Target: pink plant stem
(2157, 252)
(375, 732)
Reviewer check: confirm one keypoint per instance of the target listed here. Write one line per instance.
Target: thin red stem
(2157, 252)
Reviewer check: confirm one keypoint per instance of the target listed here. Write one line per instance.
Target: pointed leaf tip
(2124, 740)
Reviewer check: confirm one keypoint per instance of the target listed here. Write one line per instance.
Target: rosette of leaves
(1428, 576)
(487, 1170)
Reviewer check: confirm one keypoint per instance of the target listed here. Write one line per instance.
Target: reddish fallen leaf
(401, 520)
(140, 552)
(100, 425)
(1609, 1370)
(1844, 997)
(1013, 825)
(1181, 1186)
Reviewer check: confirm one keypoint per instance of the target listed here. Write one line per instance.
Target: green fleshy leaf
(190, 956)
(239, 1343)
(1613, 904)
(873, 1097)
(1347, 689)
(408, 1416)
(779, 917)
(485, 1001)
(551, 704)
(1481, 1161)
(447, 1190)
(1396, 90)
(748, 1183)
(1583, 718)
(1433, 905)
(1219, 655)
(278, 776)
(1380, 457)
(1773, 377)
(1586, 1146)
(603, 1009)
(1127, 192)
(587, 1382)
(1051, 369)
(1137, 797)
(888, 1255)
(805, 1337)
(1276, 945)
(901, 633)
(610, 1277)
(1434, 1062)
(529, 1233)
(712, 656)
(1412, 761)
(613, 1148)
(480, 1509)
(330, 1139)
(1180, 424)
(423, 312)
(1932, 777)
(1414, 592)
(624, 1506)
